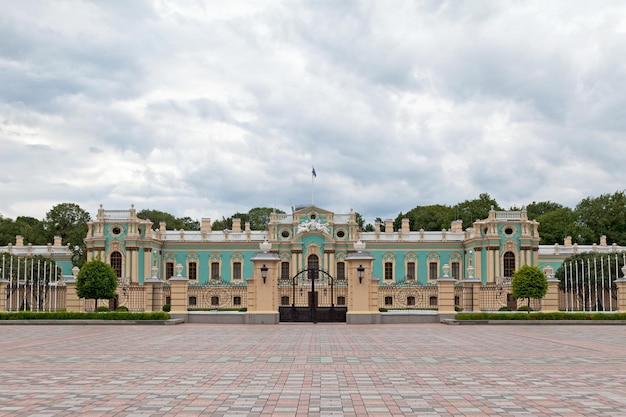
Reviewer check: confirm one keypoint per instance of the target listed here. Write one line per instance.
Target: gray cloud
(204, 111)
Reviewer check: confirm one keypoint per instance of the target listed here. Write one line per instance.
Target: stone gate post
(263, 288)
(362, 288)
(178, 295)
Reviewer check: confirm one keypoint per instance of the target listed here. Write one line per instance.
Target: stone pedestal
(471, 295)
(263, 292)
(178, 295)
(72, 301)
(153, 295)
(362, 289)
(4, 285)
(445, 297)
(621, 294)
(550, 302)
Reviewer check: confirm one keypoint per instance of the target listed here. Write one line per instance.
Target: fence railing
(408, 296)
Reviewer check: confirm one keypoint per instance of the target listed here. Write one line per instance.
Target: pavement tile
(316, 370)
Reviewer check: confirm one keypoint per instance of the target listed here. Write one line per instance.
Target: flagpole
(313, 175)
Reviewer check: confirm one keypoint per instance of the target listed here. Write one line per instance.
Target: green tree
(258, 217)
(529, 282)
(555, 225)
(172, 222)
(32, 230)
(434, 217)
(69, 221)
(603, 215)
(96, 280)
(8, 231)
(535, 209)
(471, 210)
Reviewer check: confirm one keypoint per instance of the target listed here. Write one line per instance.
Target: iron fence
(408, 296)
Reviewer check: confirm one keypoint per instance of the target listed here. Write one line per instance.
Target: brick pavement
(315, 370)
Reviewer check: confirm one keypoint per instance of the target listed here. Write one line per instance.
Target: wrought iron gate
(313, 295)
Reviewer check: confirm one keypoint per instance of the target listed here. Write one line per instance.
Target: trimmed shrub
(167, 307)
(103, 309)
(122, 308)
(504, 308)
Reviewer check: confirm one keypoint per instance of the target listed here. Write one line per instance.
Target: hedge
(541, 316)
(67, 315)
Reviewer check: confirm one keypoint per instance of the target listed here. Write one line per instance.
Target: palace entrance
(312, 295)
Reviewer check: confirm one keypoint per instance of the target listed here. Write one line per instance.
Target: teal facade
(312, 237)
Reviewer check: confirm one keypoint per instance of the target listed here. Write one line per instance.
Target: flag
(313, 172)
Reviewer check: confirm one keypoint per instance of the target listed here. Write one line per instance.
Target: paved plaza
(314, 370)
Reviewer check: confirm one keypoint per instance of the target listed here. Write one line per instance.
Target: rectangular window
(284, 270)
(341, 300)
(341, 270)
(433, 271)
(388, 270)
(388, 300)
(236, 271)
(193, 301)
(237, 300)
(410, 271)
(193, 271)
(215, 301)
(284, 300)
(456, 270)
(169, 270)
(215, 271)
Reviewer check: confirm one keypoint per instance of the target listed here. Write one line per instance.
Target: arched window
(313, 264)
(116, 263)
(509, 264)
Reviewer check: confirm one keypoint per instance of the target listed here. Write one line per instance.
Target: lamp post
(264, 273)
(361, 272)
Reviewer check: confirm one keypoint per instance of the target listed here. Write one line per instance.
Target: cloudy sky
(204, 109)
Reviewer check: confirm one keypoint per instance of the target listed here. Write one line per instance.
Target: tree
(172, 222)
(535, 209)
(69, 221)
(471, 210)
(529, 282)
(434, 217)
(603, 215)
(96, 280)
(555, 225)
(258, 217)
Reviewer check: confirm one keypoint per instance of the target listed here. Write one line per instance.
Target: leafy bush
(458, 309)
(122, 308)
(541, 316)
(68, 315)
(103, 309)
(167, 307)
(525, 308)
(383, 310)
(504, 308)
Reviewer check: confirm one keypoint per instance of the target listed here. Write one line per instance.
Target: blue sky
(204, 109)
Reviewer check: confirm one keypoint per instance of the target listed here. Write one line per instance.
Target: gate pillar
(621, 294)
(445, 295)
(153, 294)
(362, 290)
(472, 303)
(3, 294)
(263, 288)
(178, 295)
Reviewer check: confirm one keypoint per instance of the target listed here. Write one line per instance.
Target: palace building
(314, 238)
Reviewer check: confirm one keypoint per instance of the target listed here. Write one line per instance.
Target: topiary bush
(122, 308)
(103, 309)
(167, 308)
(504, 308)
